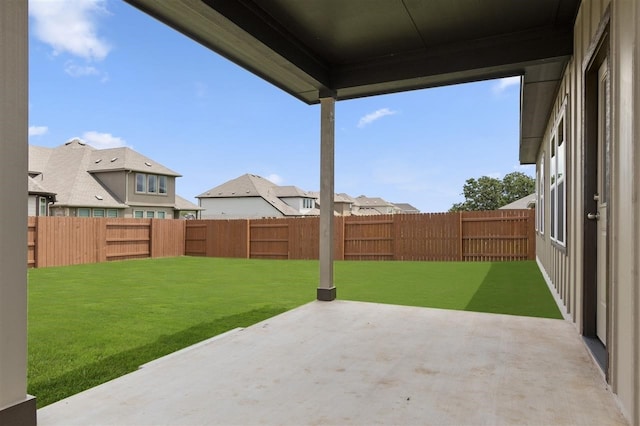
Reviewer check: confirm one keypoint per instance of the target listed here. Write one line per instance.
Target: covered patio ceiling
(356, 48)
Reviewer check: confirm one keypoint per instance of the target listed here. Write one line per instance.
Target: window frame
(42, 206)
(110, 212)
(141, 182)
(152, 184)
(541, 198)
(558, 180)
(138, 214)
(162, 185)
(81, 210)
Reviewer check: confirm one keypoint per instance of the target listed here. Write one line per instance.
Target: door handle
(593, 216)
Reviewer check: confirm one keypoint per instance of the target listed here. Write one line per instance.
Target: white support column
(16, 407)
(326, 289)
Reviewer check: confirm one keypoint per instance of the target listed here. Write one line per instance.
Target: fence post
(151, 239)
(460, 228)
(100, 235)
(531, 227)
(248, 242)
(36, 246)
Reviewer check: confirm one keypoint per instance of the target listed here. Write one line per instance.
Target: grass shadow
(111, 367)
(514, 288)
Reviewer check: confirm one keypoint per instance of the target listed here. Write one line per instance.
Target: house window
(82, 212)
(42, 201)
(138, 214)
(98, 212)
(540, 203)
(161, 215)
(558, 193)
(141, 182)
(150, 214)
(112, 213)
(307, 203)
(152, 184)
(162, 184)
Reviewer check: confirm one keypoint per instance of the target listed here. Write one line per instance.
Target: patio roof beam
(471, 60)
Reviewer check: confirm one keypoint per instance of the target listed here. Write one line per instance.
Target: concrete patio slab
(342, 362)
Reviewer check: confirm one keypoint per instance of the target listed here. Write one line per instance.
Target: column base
(20, 414)
(326, 294)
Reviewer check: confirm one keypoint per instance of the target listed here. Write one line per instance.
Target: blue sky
(113, 76)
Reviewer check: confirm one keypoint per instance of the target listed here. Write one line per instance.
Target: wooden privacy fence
(470, 236)
(61, 241)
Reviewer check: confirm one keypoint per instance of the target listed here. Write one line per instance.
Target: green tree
(487, 193)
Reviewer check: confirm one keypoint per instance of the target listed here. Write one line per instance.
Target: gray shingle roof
(291, 191)
(184, 204)
(103, 160)
(526, 202)
(364, 201)
(36, 187)
(406, 208)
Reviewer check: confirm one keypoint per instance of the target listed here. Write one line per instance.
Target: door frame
(595, 57)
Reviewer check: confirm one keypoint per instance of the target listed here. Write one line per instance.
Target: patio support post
(16, 407)
(326, 289)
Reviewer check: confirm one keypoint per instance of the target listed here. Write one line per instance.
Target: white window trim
(555, 180)
(146, 178)
(540, 201)
(144, 183)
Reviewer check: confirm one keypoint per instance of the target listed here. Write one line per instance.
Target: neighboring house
(39, 198)
(405, 208)
(364, 206)
(116, 182)
(342, 203)
(185, 209)
(527, 202)
(252, 196)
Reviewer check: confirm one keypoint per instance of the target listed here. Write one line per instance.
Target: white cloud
(70, 26)
(38, 130)
(376, 115)
(75, 70)
(277, 179)
(504, 83)
(103, 140)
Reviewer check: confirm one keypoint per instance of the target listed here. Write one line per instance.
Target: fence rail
(469, 236)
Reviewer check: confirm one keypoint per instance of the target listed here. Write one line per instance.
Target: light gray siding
(235, 208)
(115, 182)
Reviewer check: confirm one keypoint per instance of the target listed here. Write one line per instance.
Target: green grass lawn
(91, 323)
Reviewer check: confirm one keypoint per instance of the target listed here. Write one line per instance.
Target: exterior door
(602, 199)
